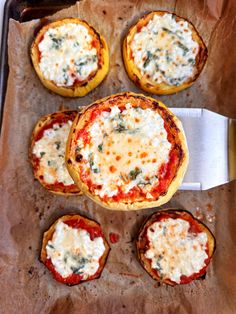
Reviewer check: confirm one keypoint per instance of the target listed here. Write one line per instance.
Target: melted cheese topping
(51, 151)
(73, 252)
(126, 150)
(164, 50)
(67, 54)
(174, 251)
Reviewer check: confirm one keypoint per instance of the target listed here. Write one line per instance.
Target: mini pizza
(47, 152)
(74, 249)
(163, 53)
(70, 57)
(174, 247)
(127, 152)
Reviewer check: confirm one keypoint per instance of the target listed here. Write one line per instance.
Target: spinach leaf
(134, 173)
(191, 61)
(100, 147)
(90, 160)
(78, 149)
(95, 170)
(50, 245)
(148, 59)
(120, 128)
(164, 230)
(56, 42)
(183, 47)
(81, 261)
(58, 144)
(91, 164)
(168, 31)
(158, 265)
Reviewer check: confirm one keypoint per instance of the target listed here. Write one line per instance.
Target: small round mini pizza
(174, 247)
(70, 57)
(163, 53)
(74, 249)
(47, 152)
(127, 152)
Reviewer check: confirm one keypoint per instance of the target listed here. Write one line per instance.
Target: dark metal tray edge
(15, 9)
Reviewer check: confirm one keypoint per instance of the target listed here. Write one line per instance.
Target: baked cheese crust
(74, 249)
(163, 53)
(70, 57)
(47, 152)
(174, 247)
(127, 152)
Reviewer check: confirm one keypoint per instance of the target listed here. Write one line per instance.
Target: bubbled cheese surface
(73, 252)
(67, 54)
(126, 150)
(50, 150)
(164, 50)
(174, 251)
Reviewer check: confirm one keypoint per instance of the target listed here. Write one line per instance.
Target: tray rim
(4, 68)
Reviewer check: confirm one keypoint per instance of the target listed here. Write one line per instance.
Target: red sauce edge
(81, 224)
(59, 120)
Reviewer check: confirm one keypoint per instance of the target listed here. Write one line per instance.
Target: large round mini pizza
(127, 152)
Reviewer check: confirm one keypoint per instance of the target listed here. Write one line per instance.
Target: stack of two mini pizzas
(126, 151)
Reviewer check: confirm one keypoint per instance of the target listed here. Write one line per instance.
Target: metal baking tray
(22, 11)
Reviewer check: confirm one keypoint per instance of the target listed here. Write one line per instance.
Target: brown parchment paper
(27, 209)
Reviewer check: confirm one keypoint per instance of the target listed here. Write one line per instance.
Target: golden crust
(90, 223)
(142, 242)
(41, 124)
(71, 162)
(83, 88)
(163, 88)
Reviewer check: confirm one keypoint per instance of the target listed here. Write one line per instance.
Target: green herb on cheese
(158, 266)
(91, 164)
(95, 170)
(90, 160)
(168, 31)
(78, 149)
(100, 147)
(56, 42)
(183, 47)
(58, 144)
(50, 245)
(120, 128)
(148, 59)
(164, 230)
(191, 61)
(80, 264)
(134, 173)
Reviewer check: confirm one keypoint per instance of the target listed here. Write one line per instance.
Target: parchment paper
(27, 209)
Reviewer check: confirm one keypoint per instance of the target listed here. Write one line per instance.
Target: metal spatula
(212, 148)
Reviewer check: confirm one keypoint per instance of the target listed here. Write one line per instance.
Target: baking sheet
(27, 209)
